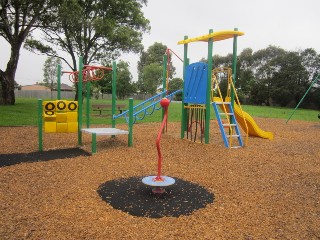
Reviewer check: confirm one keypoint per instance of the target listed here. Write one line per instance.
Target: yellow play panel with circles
(60, 116)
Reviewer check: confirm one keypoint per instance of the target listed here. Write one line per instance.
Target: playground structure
(201, 83)
(96, 73)
(86, 75)
(200, 91)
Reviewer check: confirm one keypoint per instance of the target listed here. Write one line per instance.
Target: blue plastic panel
(195, 83)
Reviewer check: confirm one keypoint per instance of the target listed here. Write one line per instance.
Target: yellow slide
(253, 128)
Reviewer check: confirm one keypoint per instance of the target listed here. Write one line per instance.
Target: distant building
(35, 87)
(65, 87)
(38, 87)
(40, 91)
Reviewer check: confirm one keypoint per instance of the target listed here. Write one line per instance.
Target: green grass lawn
(25, 111)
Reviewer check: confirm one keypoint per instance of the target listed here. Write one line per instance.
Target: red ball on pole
(165, 103)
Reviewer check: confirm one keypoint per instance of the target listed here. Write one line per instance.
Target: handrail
(144, 109)
(242, 112)
(305, 94)
(229, 88)
(215, 80)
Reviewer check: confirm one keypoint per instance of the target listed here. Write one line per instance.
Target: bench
(102, 131)
(108, 107)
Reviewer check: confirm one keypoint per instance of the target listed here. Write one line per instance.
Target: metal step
(229, 125)
(229, 136)
(237, 147)
(229, 114)
(220, 103)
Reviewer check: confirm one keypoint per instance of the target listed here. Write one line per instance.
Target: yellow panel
(49, 105)
(61, 105)
(62, 127)
(49, 116)
(50, 127)
(72, 106)
(61, 117)
(217, 36)
(72, 116)
(72, 127)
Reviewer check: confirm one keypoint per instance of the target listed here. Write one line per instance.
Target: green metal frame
(80, 78)
(208, 93)
(183, 104)
(313, 82)
(130, 125)
(59, 81)
(40, 124)
(114, 91)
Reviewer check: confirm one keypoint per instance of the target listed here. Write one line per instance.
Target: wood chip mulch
(269, 189)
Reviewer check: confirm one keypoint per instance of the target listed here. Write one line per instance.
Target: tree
(124, 78)
(152, 61)
(310, 60)
(245, 71)
(152, 76)
(264, 67)
(290, 80)
(154, 54)
(17, 19)
(50, 72)
(174, 85)
(95, 29)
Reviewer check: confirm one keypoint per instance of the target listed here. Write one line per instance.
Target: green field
(25, 111)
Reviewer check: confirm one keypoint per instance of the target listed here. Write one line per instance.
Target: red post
(165, 104)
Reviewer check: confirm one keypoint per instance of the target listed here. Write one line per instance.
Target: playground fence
(43, 94)
(69, 95)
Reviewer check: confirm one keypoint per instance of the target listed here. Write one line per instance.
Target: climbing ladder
(229, 128)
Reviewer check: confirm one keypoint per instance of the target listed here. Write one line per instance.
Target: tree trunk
(7, 89)
(7, 77)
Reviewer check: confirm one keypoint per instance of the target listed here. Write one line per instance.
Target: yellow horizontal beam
(217, 36)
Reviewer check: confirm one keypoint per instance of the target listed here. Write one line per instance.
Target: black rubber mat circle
(132, 196)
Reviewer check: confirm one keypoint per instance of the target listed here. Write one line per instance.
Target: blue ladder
(227, 135)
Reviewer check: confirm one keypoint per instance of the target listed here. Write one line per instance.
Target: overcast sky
(289, 24)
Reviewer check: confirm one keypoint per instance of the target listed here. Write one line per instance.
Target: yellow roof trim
(217, 36)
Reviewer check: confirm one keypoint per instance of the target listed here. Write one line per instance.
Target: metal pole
(88, 86)
(208, 94)
(114, 92)
(94, 143)
(313, 82)
(130, 122)
(183, 110)
(80, 101)
(40, 125)
(234, 66)
(59, 82)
